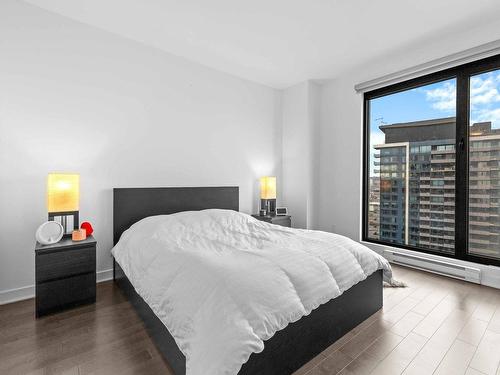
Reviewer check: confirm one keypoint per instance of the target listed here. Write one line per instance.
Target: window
(411, 125)
(432, 163)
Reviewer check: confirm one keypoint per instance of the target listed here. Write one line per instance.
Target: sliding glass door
(432, 163)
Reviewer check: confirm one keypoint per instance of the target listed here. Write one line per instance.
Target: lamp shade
(63, 192)
(268, 187)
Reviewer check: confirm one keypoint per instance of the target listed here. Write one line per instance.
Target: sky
(436, 101)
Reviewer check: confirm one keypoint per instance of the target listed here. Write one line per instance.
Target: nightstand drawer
(73, 291)
(283, 221)
(59, 264)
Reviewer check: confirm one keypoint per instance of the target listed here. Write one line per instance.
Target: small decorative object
(63, 198)
(268, 194)
(262, 212)
(88, 228)
(281, 211)
(79, 235)
(49, 233)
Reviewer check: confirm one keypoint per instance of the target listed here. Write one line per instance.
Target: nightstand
(284, 221)
(65, 275)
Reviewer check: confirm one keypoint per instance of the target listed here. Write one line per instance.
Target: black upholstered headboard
(133, 204)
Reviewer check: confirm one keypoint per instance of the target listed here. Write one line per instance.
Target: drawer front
(57, 295)
(284, 222)
(64, 263)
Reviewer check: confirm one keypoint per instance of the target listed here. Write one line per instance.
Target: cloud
(442, 98)
(376, 138)
(486, 115)
(485, 98)
(484, 89)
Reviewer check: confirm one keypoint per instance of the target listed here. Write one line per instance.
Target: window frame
(462, 74)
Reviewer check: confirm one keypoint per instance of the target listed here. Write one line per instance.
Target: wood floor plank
(430, 302)
(471, 371)
(351, 334)
(485, 310)
(457, 359)
(415, 282)
(401, 356)
(429, 358)
(384, 345)
(364, 339)
(400, 310)
(487, 356)
(435, 318)
(362, 365)
(473, 331)
(406, 324)
(309, 365)
(494, 324)
(332, 364)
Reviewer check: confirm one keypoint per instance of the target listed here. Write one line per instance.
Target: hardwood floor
(436, 326)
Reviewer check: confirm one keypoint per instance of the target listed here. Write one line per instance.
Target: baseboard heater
(435, 266)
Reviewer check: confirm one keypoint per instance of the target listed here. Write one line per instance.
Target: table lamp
(63, 198)
(268, 194)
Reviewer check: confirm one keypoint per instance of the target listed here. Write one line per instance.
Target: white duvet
(223, 282)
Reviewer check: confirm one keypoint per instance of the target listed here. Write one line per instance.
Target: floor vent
(436, 266)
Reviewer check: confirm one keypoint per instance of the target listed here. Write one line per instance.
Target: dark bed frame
(289, 348)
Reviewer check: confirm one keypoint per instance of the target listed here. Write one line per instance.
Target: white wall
(340, 150)
(75, 98)
(300, 154)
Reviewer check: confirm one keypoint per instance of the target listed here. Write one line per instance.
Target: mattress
(223, 282)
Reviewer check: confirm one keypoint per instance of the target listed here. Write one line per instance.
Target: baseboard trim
(18, 294)
(490, 275)
(105, 275)
(27, 292)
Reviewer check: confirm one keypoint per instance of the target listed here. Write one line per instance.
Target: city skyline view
(438, 100)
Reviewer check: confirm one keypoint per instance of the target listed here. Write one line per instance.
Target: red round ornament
(88, 227)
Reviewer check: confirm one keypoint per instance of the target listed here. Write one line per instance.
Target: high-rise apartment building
(374, 208)
(484, 190)
(416, 172)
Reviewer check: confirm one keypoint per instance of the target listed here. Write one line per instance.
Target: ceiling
(278, 42)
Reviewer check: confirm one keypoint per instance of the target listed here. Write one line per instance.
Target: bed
(288, 348)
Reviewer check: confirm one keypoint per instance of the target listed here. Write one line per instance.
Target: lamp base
(269, 205)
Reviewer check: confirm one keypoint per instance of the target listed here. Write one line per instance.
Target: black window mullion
(462, 167)
(366, 156)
